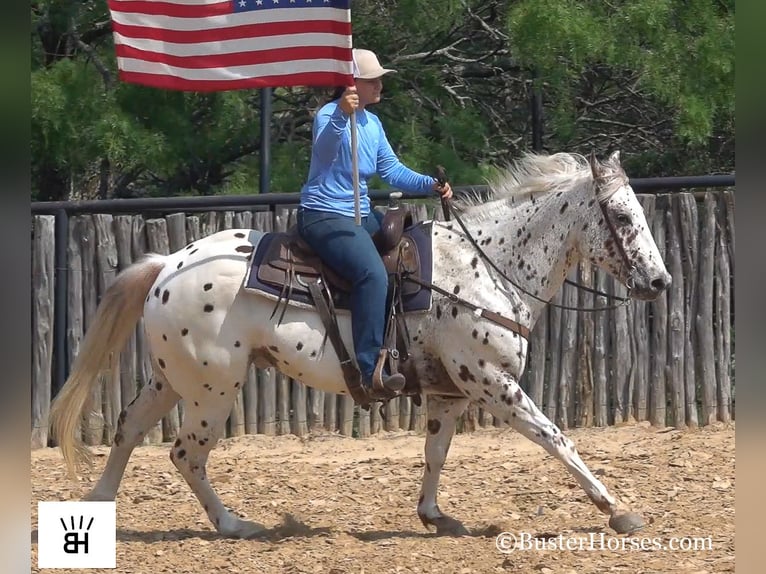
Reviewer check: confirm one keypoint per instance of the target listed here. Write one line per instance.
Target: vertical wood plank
(391, 419)
(299, 400)
(377, 422)
(641, 335)
(363, 422)
(405, 412)
(75, 321)
(106, 257)
(658, 334)
(243, 220)
(583, 416)
(345, 415)
(621, 359)
(601, 327)
(723, 314)
(534, 376)
(123, 230)
(42, 325)
(316, 409)
(283, 404)
(704, 317)
(250, 397)
(209, 223)
(331, 411)
(568, 364)
(687, 205)
(554, 366)
(676, 319)
(93, 425)
(267, 401)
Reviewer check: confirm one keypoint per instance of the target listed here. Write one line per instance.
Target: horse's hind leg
(202, 427)
(151, 404)
(443, 413)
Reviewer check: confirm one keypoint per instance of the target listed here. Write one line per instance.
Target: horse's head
(622, 242)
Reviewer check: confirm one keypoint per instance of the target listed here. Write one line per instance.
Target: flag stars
(242, 3)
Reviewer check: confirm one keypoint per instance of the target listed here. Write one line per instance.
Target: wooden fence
(670, 361)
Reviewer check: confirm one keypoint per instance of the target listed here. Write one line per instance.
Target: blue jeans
(349, 250)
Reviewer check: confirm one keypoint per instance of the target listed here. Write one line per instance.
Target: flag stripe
(203, 10)
(233, 59)
(275, 69)
(319, 40)
(254, 32)
(174, 83)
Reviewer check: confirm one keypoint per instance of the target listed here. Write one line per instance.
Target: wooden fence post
(704, 316)
(42, 325)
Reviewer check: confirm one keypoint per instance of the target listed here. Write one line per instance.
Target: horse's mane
(537, 174)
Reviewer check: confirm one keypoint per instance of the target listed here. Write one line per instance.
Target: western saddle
(290, 265)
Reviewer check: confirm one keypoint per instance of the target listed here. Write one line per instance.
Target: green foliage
(680, 53)
(654, 78)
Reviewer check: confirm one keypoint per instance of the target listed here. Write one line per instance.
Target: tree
(653, 78)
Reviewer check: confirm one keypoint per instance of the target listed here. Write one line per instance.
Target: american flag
(214, 45)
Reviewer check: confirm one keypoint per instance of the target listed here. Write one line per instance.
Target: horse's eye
(623, 219)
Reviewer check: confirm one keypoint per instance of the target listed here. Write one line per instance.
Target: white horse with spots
(512, 255)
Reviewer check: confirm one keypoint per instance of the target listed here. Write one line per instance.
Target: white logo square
(75, 534)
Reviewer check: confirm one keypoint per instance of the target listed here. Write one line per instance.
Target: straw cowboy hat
(366, 65)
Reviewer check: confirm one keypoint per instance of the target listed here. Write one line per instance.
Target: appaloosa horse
(495, 266)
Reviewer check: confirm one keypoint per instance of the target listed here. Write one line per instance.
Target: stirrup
(388, 384)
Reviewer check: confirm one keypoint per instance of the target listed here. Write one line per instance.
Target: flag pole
(354, 157)
(355, 171)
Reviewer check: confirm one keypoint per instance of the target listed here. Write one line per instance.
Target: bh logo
(72, 540)
(76, 535)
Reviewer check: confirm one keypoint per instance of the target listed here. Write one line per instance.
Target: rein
(447, 206)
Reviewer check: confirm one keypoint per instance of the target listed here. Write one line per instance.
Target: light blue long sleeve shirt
(330, 180)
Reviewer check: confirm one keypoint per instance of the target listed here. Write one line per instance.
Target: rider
(326, 212)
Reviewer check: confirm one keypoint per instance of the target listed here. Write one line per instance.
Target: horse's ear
(595, 168)
(615, 158)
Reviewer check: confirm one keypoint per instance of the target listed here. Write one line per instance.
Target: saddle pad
(420, 301)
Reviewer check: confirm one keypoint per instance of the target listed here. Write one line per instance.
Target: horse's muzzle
(652, 288)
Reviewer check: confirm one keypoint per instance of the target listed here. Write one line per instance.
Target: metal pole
(265, 140)
(60, 353)
(355, 171)
(536, 108)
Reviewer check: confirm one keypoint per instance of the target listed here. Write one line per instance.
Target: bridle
(622, 301)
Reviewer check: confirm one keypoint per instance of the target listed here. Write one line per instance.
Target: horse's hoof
(448, 526)
(242, 529)
(626, 522)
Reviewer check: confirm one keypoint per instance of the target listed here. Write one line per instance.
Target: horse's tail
(117, 315)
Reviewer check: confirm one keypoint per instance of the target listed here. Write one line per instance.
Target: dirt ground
(335, 504)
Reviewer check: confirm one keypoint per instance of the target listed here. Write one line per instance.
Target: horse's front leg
(505, 399)
(443, 413)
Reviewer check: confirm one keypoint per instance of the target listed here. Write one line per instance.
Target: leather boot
(384, 382)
